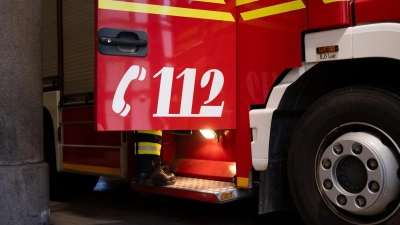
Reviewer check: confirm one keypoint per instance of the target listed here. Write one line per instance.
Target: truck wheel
(62, 184)
(344, 159)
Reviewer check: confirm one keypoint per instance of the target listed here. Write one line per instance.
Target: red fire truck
(300, 98)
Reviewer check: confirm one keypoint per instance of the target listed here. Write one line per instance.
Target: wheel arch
(324, 78)
(311, 85)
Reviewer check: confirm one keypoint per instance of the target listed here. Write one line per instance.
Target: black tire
(370, 111)
(62, 185)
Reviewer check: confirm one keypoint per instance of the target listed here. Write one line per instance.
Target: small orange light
(226, 196)
(327, 49)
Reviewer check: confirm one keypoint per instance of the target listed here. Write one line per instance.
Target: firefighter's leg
(160, 177)
(148, 145)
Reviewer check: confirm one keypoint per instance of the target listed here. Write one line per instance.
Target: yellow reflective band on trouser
(242, 2)
(165, 10)
(154, 132)
(148, 148)
(273, 10)
(330, 1)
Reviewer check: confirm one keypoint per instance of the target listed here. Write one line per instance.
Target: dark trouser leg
(150, 171)
(145, 167)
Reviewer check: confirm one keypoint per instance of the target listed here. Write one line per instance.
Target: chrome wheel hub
(358, 173)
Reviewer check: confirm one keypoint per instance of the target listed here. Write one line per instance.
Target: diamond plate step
(198, 189)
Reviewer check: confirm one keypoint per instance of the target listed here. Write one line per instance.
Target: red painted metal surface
(169, 151)
(78, 128)
(179, 47)
(85, 134)
(78, 114)
(204, 169)
(199, 196)
(326, 14)
(195, 146)
(267, 46)
(377, 10)
(194, 156)
(102, 157)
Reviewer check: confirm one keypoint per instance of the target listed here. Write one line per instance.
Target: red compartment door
(165, 65)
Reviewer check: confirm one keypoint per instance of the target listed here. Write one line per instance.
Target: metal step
(198, 189)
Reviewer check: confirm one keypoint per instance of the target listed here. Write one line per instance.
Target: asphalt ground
(113, 202)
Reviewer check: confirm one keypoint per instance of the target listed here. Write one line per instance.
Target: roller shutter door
(78, 46)
(49, 38)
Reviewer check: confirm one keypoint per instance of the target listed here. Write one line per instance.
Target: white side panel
(365, 41)
(260, 123)
(261, 119)
(340, 37)
(372, 40)
(377, 40)
(50, 101)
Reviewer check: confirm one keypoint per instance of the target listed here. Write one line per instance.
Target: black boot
(159, 176)
(145, 168)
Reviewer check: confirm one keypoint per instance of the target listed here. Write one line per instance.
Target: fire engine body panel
(186, 75)
(293, 91)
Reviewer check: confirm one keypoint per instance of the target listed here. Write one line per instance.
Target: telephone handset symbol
(119, 105)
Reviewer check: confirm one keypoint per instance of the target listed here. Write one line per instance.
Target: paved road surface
(114, 203)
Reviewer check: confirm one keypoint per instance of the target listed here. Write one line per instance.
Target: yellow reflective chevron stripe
(273, 10)
(92, 169)
(211, 1)
(242, 2)
(330, 1)
(206, 14)
(154, 132)
(165, 10)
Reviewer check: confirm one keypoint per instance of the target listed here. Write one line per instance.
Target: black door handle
(122, 41)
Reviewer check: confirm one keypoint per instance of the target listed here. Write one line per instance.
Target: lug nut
(338, 149)
(372, 164)
(341, 199)
(360, 201)
(356, 148)
(373, 186)
(326, 163)
(328, 184)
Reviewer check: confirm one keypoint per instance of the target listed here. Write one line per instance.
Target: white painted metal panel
(340, 37)
(377, 40)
